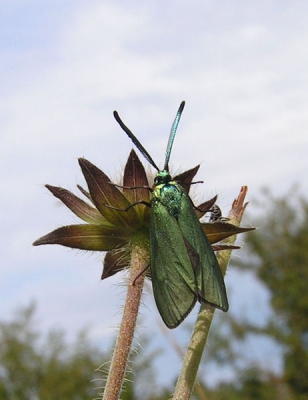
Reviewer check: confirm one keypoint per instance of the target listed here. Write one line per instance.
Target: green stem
(187, 378)
(125, 338)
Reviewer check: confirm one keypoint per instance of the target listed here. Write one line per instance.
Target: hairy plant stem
(139, 262)
(187, 377)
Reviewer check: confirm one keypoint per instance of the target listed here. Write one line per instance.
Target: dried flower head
(116, 217)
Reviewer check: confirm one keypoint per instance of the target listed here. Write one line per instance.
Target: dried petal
(103, 193)
(115, 261)
(205, 207)
(135, 176)
(217, 247)
(77, 206)
(218, 231)
(185, 178)
(85, 193)
(85, 237)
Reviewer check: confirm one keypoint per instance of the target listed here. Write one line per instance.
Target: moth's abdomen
(170, 196)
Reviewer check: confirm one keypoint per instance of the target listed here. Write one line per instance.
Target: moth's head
(162, 178)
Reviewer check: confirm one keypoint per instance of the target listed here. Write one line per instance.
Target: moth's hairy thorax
(170, 196)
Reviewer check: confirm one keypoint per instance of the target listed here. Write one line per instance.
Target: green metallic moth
(184, 268)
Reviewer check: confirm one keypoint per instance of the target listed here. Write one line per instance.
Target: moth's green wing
(211, 286)
(173, 279)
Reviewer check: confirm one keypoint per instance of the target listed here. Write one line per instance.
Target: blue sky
(65, 66)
